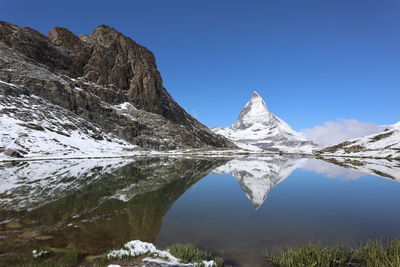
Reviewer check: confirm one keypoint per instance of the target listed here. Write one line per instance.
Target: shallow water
(234, 207)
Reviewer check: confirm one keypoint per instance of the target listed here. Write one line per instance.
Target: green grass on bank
(375, 253)
(187, 253)
(369, 254)
(309, 255)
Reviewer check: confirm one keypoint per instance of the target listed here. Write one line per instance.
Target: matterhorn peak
(255, 95)
(259, 129)
(255, 111)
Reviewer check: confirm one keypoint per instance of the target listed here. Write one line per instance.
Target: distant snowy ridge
(258, 129)
(382, 145)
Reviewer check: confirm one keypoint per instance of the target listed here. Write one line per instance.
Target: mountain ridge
(385, 144)
(91, 76)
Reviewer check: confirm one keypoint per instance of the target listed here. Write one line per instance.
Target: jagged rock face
(108, 58)
(90, 75)
(259, 129)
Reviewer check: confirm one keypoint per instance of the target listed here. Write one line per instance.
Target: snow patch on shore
(137, 248)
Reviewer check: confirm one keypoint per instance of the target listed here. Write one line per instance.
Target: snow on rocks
(126, 109)
(381, 145)
(9, 84)
(137, 248)
(39, 253)
(164, 263)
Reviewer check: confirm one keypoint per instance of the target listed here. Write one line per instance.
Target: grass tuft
(371, 253)
(374, 253)
(187, 253)
(310, 255)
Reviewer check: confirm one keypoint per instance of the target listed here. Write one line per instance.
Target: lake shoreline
(192, 153)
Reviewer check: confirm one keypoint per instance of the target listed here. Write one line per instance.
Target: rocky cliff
(94, 77)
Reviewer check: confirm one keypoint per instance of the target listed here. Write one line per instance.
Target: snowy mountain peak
(255, 111)
(259, 129)
(397, 125)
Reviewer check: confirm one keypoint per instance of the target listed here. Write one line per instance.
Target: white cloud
(334, 132)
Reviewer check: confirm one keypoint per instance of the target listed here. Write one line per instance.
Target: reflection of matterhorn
(257, 176)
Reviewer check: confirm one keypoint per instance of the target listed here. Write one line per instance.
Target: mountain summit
(259, 129)
(255, 111)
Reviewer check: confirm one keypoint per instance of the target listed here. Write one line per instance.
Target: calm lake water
(235, 207)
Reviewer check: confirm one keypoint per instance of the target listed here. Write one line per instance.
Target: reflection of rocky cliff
(258, 175)
(29, 185)
(126, 203)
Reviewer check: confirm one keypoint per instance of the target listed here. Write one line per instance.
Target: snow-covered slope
(257, 176)
(258, 129)
(33, 127)
(381, 145)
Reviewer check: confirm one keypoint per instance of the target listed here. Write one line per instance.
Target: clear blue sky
(312, 61)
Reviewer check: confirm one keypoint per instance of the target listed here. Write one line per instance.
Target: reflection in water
(258, 175)
(302, 206)
(354, 168)
(383, 168)
(95, 205)
(29, 185)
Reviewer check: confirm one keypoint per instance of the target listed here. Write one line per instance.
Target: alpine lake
(235, 207)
